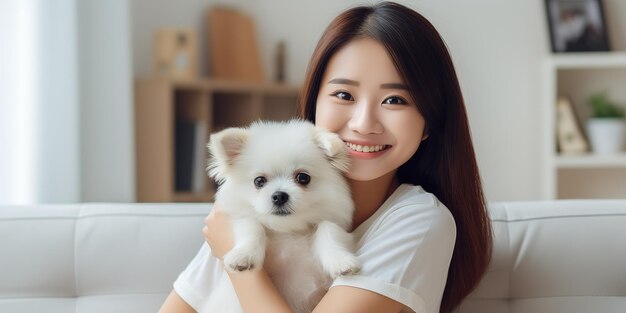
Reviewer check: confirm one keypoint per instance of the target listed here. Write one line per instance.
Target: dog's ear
(333, 147)
(224, 147)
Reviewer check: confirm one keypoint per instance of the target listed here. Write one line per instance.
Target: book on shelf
(189, 159)
(183, 154)
(199, 175)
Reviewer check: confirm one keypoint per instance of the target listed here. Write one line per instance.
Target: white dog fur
(306, 237)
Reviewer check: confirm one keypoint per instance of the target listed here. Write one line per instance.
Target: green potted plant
(606, 125)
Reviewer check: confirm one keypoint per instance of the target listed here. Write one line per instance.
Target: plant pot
(606, 135)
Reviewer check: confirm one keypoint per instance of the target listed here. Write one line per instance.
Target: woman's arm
(346, 299)
(175, 304)
(257, 293)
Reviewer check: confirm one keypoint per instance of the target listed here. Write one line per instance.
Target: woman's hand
(218, 232)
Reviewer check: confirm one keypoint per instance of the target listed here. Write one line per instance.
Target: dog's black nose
(280, 198)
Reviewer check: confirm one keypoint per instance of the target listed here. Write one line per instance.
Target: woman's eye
(394, 100)
(343, 95)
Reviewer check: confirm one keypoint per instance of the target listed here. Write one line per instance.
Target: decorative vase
(606, 135)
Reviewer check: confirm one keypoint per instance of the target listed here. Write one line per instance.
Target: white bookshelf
(586, 60)
(577, 75)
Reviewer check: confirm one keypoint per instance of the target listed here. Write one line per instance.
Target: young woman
(381, 77)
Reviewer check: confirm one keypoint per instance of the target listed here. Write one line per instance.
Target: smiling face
(364, 100)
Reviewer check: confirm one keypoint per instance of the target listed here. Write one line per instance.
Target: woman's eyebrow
(394, 86)
(344, 81)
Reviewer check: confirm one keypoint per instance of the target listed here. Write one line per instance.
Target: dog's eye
(260, 181)
(303, 179)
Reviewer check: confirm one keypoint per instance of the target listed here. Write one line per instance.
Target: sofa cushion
(95, 257)
(550, 255)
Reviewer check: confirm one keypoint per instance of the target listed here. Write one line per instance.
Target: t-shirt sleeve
(198, 280)
(405, 256)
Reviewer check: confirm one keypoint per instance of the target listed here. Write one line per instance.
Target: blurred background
(88, 114)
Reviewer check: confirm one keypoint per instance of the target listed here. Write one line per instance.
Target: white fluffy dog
(282, 185)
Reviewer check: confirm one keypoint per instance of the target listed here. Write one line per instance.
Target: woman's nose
(365, 119)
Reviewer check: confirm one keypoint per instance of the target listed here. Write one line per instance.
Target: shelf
(591, 161)
(173, 121)
(588, 60)
(216, 85)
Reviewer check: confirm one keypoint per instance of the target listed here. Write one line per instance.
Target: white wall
(107, 127)
(58, 148)
(497, 47)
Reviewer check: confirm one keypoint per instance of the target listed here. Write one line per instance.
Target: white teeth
(367, 149)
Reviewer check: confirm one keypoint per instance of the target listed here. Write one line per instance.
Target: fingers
(208, 235)
(216, 232)
(210, 223)
(205, 232)
(208, 220)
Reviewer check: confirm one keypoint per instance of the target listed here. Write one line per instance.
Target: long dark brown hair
(445, 163)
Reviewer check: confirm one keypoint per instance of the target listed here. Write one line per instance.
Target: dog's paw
(235, 261)
(350, 266)
(346, 265)
(239, 260)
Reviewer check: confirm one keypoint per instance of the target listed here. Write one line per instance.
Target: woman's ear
(333, 147)
(425, 134)
(224, 147)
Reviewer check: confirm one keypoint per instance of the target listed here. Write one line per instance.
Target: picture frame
(577, 25)
(571, 139)
(176, 53)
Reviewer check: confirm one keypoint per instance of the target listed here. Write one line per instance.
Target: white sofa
(560, 256)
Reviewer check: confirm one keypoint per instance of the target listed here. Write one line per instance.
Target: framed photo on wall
(577, 25)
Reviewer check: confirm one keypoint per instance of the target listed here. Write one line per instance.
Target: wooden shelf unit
(160, 102)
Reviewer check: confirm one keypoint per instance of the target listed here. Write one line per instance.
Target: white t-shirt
(405, 249)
